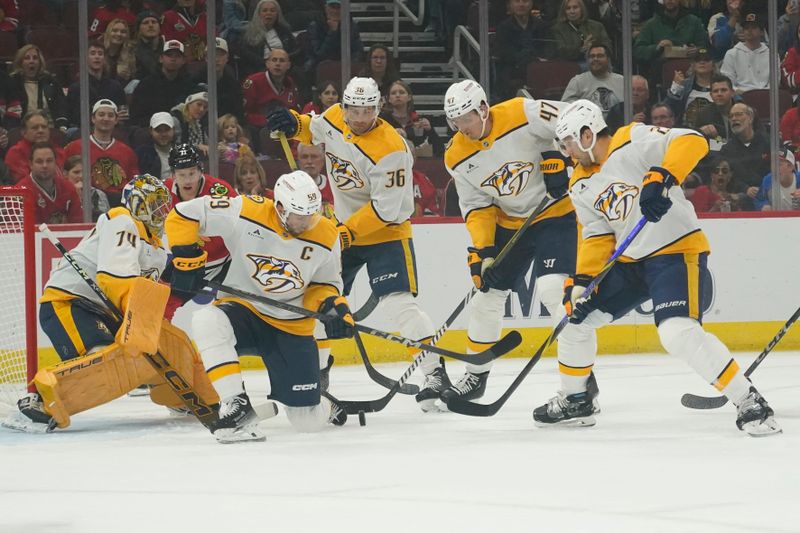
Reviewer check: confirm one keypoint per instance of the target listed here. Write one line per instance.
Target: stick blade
(465, 407)
(509, 341)
(702, 402)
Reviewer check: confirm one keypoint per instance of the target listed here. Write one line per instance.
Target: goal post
(18, 329)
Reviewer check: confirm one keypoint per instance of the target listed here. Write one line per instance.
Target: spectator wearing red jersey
(325, 95)
(9, 15)
(186, 23)
(311, 159)
(266, 90)
(790, 66)
(35, 128)
(57, 200)
(110, 10)
(790, 126)
(113, 163)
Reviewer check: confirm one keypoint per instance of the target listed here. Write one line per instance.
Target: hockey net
(18, 351)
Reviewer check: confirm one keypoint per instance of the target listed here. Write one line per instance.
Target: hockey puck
(362, 418)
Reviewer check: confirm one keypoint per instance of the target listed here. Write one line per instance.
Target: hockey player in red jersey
(187, 183)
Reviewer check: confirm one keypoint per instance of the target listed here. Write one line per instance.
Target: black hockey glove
(479, 260)
(282, 120)
(189, 264)
(654, 202)
(554, 167)
(338, 321)
(577, 307)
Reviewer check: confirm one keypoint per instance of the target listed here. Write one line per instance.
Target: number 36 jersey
(116, 251)
(498, 178)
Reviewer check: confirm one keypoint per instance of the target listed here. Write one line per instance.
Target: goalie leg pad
(485, 324)
(412, 322)
(79, 384)
(685, 338)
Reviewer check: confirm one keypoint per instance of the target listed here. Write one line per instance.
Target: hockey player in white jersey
(369, 166)
(637, 172)
(504, 163)
(125, 244)
(288, 251)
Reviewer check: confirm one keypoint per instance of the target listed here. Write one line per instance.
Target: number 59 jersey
(502, 169)
(118, 249)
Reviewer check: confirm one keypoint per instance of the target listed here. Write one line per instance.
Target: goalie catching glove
(338, 320)
(480, 261)
(189, 264)
(554, 166)
(578, 307)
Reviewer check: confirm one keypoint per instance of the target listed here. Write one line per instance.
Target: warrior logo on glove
(510, 179)
(616, 202)
(276, 275)
(344, 174)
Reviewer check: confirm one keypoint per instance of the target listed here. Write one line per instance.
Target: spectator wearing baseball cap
(789, 182)
(165, 89)
(154, 155)
(149, 43)
(690, 91)
(192, 121)
(229, 88)
(747, 63)
(112, 162)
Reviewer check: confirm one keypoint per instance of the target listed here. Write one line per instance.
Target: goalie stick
(373, 301)
(206, 414)
(510, 341)
(468, 408)
(693, 401)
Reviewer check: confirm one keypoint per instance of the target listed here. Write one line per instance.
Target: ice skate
(237, 421)
(576, 410)
(470, 387)
(435, 383)
(338, 415)
(754, 416)
(31, 417)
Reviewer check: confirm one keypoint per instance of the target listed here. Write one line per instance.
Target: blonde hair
(126, 57)
(243, 163)
(224, 121)
(20, 55)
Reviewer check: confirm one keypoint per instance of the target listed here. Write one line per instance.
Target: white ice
(650, 465)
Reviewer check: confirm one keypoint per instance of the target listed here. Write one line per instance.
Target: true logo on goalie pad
(344, 174)
(617, 201)
(276, 275)
(510, 179)
(71, 368)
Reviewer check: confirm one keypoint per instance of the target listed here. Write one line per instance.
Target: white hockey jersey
(265, 259)
(373, 189)
(498, 178)
(118, 249)
(606, 196)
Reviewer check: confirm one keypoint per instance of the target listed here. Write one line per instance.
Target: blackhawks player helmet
(184, 156)
(148, 200)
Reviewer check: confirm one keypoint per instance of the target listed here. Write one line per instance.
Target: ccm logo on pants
(384, 277)
(304, 387)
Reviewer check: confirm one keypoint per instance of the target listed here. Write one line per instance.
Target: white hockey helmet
(297, 193)
(362, 92)
(148, 200)
(461, 98)
(576, 116)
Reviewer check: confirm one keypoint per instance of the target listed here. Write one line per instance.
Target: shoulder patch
(218, 189)
(247, 83)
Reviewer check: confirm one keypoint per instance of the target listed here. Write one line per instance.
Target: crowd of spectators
(148, 86)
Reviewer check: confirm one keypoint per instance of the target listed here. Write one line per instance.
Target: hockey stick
(287, 151)
(465, 407)
(510, 341)
(205, 413)
(376, 376)
(703, 402)
(365, 310)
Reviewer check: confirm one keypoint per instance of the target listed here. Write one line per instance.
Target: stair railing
(400, 5)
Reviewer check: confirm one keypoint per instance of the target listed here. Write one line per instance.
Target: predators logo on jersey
(510, 179)
(276, 275)
(150, 273)
(616, 202)
(344, 174)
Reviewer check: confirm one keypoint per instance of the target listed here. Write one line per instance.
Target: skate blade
(767, 428)
(139, 391)
(19, 422)
(248, 433)
(583, 422)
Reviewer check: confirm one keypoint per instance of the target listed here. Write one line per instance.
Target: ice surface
(650, 465)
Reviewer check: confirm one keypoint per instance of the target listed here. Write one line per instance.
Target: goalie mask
(573, 119)
(300, 201)
(148, 200)
(361, 102)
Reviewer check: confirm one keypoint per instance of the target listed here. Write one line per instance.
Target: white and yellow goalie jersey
(606, 196)
(265, 259)
(116, 251)
(498, 178)
(373, 189)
